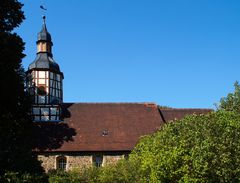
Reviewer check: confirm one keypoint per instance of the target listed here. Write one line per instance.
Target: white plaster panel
(41, 74)
(41, 81)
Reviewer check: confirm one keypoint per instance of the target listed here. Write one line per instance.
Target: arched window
(61, 162)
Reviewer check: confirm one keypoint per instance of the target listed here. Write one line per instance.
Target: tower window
(61, 163)
(41, 90)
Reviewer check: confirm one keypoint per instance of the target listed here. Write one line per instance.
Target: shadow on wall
(49, 135)
(52, 135)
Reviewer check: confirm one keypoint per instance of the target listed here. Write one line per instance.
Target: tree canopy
(15, 123)
(203, 148)
(232, 101)
(11, 15)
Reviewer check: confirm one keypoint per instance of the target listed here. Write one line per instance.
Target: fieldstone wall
(111, 159)
(48, 162)
(76, 160)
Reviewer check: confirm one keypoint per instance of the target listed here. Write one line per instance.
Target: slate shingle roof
(44, 61)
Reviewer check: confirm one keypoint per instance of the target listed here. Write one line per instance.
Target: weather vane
(43, 8)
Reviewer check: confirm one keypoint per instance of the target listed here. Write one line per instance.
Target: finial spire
(44, 35)
(44, 20)
(44, 27)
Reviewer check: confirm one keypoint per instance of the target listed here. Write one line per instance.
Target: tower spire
(44, 17)
(45, 83)
(44, 41)
(44, 20)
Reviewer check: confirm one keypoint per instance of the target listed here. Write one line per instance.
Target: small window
(36, 118)
(36, 110)
(98, 160)
(41, 99)
(44, 118)
(58, 77)
(105, 133)
(51, 75)
(53, 110)
(61, 163)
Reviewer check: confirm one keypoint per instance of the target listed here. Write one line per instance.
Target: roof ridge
(186, 109)
(137, 103)
(141, 103)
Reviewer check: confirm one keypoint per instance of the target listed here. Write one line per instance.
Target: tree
(203, 148)
(15, 123)
(232, 101)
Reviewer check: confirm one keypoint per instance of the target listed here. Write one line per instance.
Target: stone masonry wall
(48, 162)
(111, 159)
(78, 162)
(75, 161)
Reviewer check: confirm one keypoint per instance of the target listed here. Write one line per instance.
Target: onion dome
(44, 59)
(44, 35)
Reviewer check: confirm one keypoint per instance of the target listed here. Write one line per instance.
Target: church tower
(45, 81)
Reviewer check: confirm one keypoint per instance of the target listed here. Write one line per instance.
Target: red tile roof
(105, 126)
(175, 114)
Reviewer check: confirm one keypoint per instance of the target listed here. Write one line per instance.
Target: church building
(78, 135)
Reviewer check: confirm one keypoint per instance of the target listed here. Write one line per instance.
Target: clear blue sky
(178, 53)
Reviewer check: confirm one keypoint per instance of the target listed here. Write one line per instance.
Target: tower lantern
(45, 80)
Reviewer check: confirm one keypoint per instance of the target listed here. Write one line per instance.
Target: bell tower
(45, 81)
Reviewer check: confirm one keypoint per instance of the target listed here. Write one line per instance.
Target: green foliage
(89, 175)
(15, 177)
(15, 123)
(11, 14)
(202, 148)
(232, 101)
(122, 171)
(64, 177)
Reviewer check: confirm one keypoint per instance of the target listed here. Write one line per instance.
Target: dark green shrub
(15, 177)
(59, 176)
(122, 171)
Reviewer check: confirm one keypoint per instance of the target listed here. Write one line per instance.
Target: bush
(16, 177)
(90, 175)
(122, 171)
(203, 148)
(59, 176)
